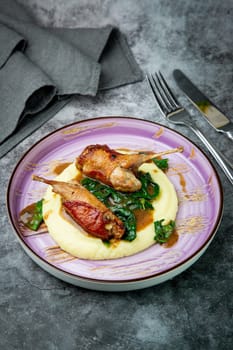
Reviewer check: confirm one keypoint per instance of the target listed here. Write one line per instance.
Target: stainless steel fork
(176, 114)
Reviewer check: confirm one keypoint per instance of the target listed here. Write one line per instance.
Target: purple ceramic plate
(196, 182)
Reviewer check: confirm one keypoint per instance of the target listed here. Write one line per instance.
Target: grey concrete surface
(192, 311)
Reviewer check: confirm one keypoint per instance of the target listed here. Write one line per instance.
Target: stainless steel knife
(213, 114)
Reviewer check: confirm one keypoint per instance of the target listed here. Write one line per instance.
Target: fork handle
(218, 156)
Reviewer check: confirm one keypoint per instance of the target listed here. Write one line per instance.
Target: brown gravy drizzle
(58, 169)
(27, 213)
(172, 239)
(182, 182)
(143, 218)
(192, 153)
(29, 209)
(159, 132)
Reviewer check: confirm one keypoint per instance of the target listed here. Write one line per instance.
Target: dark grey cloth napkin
(41, 68)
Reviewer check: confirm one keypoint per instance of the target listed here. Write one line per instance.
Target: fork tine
(163, 93)
(157, 94)
(169, 93)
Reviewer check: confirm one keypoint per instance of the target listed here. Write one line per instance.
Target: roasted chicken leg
(86, 210)
(114, 168)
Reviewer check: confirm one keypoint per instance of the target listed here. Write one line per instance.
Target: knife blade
(213, 114)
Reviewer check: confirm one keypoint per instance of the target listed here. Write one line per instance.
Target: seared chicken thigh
(114, 168)
(86, 210)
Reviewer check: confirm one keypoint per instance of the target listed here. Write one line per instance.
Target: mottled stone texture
(194, 310)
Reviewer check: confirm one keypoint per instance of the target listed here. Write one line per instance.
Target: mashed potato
(74, 240)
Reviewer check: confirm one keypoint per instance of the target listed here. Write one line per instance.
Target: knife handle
(218, 156)
(228, 130)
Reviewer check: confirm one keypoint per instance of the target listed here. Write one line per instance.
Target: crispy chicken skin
(113, 168)
(86, 210)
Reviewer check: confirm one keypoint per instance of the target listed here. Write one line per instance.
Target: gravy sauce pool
(143, 218)
(172, 240)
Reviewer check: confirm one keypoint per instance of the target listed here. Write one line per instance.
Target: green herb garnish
(107, 243)
(161, 163)
(129, 220)
(163, 232)
(123, 204)
(36, 216)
